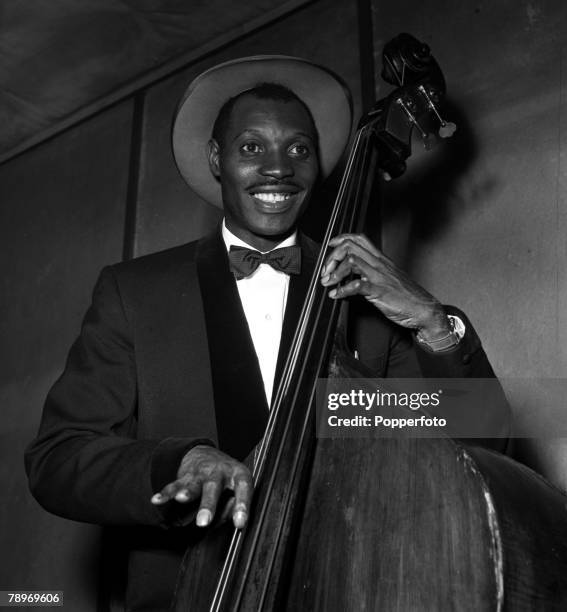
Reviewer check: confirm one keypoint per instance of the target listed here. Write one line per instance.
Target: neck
(259, 242)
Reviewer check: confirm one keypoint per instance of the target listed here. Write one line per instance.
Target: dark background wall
(480, 222)
(62, 219)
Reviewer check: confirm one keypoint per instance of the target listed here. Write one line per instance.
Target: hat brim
(324, 93)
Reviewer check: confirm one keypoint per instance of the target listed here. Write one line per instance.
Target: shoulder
(161, 275)
(156, 263)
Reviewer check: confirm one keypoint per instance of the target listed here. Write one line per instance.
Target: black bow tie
(244, 262)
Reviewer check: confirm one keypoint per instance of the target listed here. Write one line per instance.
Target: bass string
(339, 211)
(295, 351)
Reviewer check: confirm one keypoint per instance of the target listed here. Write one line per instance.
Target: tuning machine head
(446, 128)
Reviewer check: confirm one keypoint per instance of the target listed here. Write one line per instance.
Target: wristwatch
(457, 331)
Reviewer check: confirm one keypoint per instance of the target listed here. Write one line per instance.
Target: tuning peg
(428, 139)
(412, 118)
(447, 128)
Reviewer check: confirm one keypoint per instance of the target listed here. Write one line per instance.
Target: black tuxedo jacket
(164, 361)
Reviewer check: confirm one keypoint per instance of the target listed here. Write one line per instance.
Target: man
(167, 389)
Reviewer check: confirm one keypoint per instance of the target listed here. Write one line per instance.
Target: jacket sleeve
(466, 360)
(85, 463)
(408, 359)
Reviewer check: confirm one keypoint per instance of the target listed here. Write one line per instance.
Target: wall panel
(62, 216)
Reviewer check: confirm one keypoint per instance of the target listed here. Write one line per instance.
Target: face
(267, 166)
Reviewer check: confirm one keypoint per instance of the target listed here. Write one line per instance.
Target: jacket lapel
(175, 386)
(240, 404)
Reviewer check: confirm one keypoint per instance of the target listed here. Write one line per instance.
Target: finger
(167, 493)
(365, 284)
(157, 499)
(343, 246)
(354, 265)
(367, 244)
(209, 500)
(355, 287)
(345, 268)
(341, 252)
(242, 498)
(180, 490)
(333, 260)
(190, 490)
(359, 239)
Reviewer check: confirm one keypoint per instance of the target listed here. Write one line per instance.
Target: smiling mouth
(272, 197)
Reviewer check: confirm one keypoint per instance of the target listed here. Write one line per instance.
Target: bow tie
(244, 262)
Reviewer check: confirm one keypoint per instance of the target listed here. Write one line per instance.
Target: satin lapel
(240, 403)
(298, 287)
(174, 376)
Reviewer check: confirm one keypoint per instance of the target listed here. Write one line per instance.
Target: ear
(213, 154)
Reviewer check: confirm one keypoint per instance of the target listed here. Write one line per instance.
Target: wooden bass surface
(460, 528)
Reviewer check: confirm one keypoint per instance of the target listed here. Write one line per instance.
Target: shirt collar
(231, 240)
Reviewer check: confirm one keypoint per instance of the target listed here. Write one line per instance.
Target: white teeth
(272, 197)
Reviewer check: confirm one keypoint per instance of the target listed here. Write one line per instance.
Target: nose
(277, 164)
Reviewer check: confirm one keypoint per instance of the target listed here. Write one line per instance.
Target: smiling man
(166, 391)
(265, 158)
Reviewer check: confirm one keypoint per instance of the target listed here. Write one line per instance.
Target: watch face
(449, 341)
(457, 326)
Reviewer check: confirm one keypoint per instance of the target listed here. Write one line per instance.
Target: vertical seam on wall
(366, 53)
(373, 222)
(558, 252)
(130, 219)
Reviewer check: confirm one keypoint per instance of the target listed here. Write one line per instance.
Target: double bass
(378, 524)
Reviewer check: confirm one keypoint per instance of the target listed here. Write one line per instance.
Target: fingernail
(204, 517)
(325, 278)
(239, 519)
(156, 499)
(333, 293)
(182, 496)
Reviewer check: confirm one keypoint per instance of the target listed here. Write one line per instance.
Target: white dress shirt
(264, 296)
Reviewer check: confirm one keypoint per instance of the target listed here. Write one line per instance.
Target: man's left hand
(383, 284)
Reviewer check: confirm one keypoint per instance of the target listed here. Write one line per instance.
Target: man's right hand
(205, 472)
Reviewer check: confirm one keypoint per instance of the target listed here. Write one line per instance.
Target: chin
(272, 228)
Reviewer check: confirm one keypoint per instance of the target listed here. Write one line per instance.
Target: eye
(250, 148)
(299, 150)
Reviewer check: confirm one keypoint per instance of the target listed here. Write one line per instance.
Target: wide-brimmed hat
(324, 93)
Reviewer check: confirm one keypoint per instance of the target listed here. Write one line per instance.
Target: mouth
(275, 198)
(272, 197)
